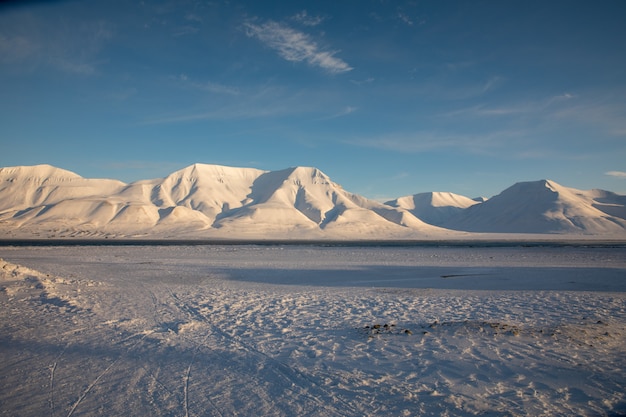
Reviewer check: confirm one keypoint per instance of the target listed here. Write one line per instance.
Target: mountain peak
(308, 175)
(199, 168)
(533, 187)
(552, 185)
(43, 172)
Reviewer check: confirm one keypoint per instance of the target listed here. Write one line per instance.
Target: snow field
(184, 331)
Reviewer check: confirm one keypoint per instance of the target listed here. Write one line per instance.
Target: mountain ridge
(214, 201)
(542, 206)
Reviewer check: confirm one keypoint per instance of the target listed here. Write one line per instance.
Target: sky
(388, 98)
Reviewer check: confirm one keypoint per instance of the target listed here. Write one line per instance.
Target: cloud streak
(75, 50)
(429, 141)
(617, 174)
(208, 86)
(344, 112)
(296, 46)
(306, 19)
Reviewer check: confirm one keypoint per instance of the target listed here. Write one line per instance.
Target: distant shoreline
(549, 241)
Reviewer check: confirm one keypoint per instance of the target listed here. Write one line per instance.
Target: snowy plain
(275, 330)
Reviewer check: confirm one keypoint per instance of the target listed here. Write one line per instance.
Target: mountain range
(211, 201)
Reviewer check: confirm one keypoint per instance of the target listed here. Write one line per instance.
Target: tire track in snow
(186, 383)
(193, 314)
(102, 374)
(166, 327)
(292, 376)
(53, 368)
(93, 384)
(188, 371)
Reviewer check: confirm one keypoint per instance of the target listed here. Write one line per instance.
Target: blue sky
(388, 98)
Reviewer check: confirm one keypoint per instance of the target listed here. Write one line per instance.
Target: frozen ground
(319, 331)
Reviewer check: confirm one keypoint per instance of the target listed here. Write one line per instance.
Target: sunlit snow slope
(434, 207)
(546, 207)
(210, 201)
(197, 201)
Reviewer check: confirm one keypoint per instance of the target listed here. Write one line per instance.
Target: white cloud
(296, 46)
(618, 174)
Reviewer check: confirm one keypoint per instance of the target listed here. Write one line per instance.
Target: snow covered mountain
(211, 201)
(197, 201)
(434, 207)
(545, 207)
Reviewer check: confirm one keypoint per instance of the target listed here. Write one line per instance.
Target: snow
(200, 201)
(434, 207)
(545, 207)
(217, 202)
(313, 330)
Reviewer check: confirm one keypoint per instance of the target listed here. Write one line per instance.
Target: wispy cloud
(216, 88)
(16, 48)
(428, 141)
(74, 51)
(296, 46)
(186, 30)
(347, 110)
(405, 18)
(400, 176)
(363, 82)
(617, 174)
(343, 112)
(606, 111)
(208, 86)
(306, 19)
(543, 107)
(439, 88)
(193, 17)
(267, 102)
(122, 95)
(228, 113)
(508, 143)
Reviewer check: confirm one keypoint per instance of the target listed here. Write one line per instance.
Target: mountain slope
(545, 207)
(199, 200)
(211, 201)
(305, 200)
(31, 186)
(435, 208)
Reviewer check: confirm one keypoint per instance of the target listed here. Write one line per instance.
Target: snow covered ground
(312, 330)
